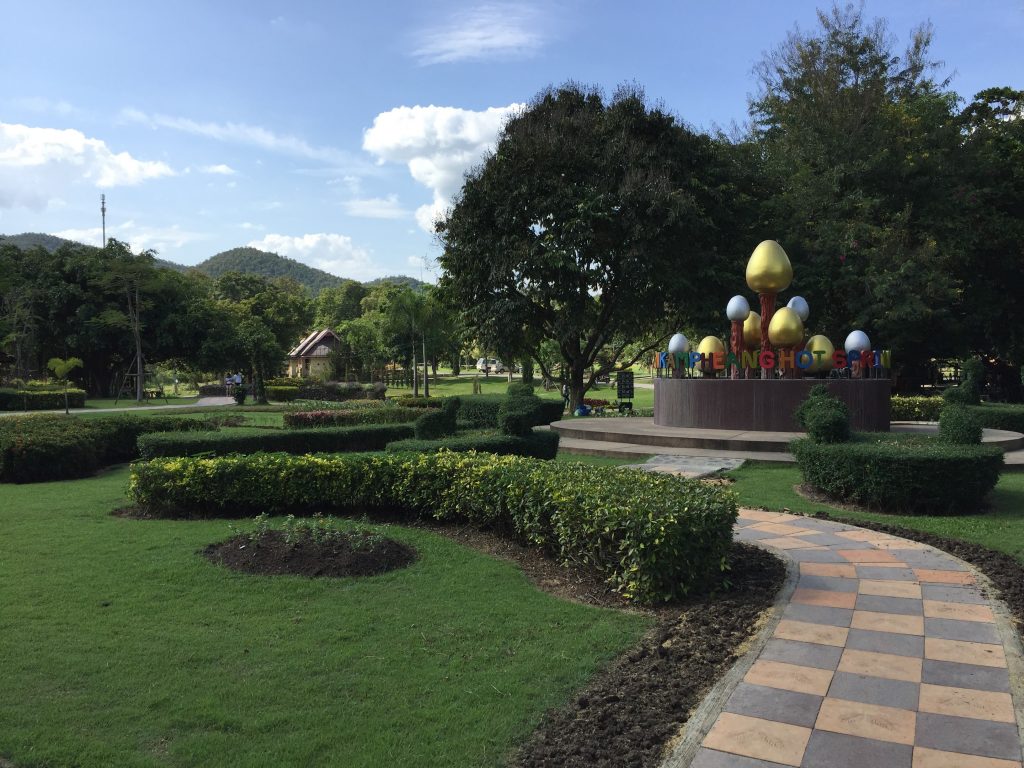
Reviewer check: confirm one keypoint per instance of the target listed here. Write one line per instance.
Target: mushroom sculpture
(738, 310)
(678, 346)
(786, 331)
(768, 273)
(709, 347)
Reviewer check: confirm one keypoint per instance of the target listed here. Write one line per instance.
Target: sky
(335, 132)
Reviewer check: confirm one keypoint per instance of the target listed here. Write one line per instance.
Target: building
(311, 358)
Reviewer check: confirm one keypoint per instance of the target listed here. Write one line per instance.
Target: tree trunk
(527, 367)
(415, 373)
(426, 370)
(576, 389)
(259, 392)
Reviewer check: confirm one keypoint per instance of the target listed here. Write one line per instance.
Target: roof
(311, 345)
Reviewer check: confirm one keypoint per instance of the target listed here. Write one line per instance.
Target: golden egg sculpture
(822, 362)
(769, 270)
(752, 331)
(710, 346)
(786, 328)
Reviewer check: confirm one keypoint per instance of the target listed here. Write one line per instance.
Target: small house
(311, 358)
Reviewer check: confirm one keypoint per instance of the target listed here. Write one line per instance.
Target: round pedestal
(764, 405)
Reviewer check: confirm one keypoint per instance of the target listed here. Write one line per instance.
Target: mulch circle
(346, 555)
(629, 713)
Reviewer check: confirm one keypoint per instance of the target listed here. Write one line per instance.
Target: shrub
(350, 417)
(903, 408)
(372, 437)
(239, 393)
(519, 389)
(480, 410)
(959, 426)
(519, 415)
(1000, 416)
(972, 377)
(922, 476)
(39, 399)
(411, 401)
(376, 391)
(335, 391)
(440, 422)
(824, 416)
(961, 395)
(40, 448)
(214, 390)
(537, 445)
(282, 394)
(655, 537)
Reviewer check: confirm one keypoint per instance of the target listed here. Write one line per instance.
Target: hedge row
(537, 445)
(904, 408)
(911, 476)
(373, 437)
(39, 400)
(281, 394)
(347, 418)
(999, 416)
(655, 537)
(39, 448)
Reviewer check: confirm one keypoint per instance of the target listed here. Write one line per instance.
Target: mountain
(27, 240)
(256, 262)
(403, 280)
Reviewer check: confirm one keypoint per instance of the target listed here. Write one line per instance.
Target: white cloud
(140, 238)
(376, 208)
(330, 252)
(498, 30)
(438, 144)
(37, 165)
(241, 133)
(220, 169)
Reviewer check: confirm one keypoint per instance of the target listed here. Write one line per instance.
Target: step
(615, 450)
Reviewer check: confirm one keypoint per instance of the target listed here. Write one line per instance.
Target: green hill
(28, 240)
(403, 280)
(256, 262)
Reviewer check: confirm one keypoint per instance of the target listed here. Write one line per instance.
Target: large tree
(591, 220)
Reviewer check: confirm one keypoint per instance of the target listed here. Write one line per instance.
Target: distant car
(490, 364)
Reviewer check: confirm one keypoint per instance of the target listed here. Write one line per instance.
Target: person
(565, 396)
(237, 379)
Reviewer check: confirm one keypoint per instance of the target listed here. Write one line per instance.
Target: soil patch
(345, 555)
(628, 714)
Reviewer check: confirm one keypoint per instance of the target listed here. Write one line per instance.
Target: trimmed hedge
(439, 422)
(904, 408)
(39, 400)
(480, 410)
(915, 477)
(999, 416)
(40, 448)
(655, 537)
(372, 437)
(413, 401)
(962, 394)
(824, 416)
(519, 389)
(957, 425)
(537, 445)
(281, 394)
(351, 417)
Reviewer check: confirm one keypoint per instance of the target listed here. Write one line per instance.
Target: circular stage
(764, 405)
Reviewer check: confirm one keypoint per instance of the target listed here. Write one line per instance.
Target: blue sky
(334, 132)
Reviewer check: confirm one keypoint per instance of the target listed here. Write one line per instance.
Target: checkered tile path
(886, 656)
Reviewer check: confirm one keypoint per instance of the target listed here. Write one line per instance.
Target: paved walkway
(686, 466)
(202, 402)
(888, 654)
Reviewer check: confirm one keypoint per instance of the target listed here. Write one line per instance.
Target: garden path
(202, 402)
(885, 652)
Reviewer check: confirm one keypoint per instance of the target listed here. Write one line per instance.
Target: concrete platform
(627, 437)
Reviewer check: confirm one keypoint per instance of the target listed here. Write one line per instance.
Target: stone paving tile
(789, 677)
(870, 556)
(833, 750)
(885, 665)
(827, 539)
(874, 690)
(830, 583)
(775, 704)
(804, 654)
(982, 654)
(827, 598)
(880, 573)
(883, 588)
(816, 556)
(972, 631)
(836, 570)
(816, 614)
(938, 609)
(869, 721)
(932, 758)
(953, 594)
(761, 739)
(886, 642)
(934, 576)
(965, 676)
(888, 622)
(972, 737)
(964, 702)
(881, 604)
(753, 534)
(712, 758)
(808, 632)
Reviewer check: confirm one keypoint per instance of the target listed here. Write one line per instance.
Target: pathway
(887, 654)
(202, 402)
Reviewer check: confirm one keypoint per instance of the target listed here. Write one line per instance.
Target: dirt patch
(628, 714)
(345, 555)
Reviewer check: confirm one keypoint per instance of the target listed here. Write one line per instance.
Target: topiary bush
(911, 476)
(824, 416)
(972, 377)
(655, 537)
(519, 389)
(1000, 416)
(39, 399)
(351, 417)
(282, 394)
(440, 422)
(370, 437)
(961, 395)
(905, 408)
(519, 415)
(480, 410)
(959, 426)
(538, 445)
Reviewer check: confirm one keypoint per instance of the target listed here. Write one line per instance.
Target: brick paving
(887, 654)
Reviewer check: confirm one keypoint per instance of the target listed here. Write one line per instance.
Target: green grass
(106, 403)
(447, 386)
(1001, 527)
(121, 645)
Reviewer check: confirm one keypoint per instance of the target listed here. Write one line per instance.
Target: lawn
(1001, 527)
(105, 403)
(121, 645)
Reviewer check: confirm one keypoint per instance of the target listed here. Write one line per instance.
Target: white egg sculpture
(678, 345)
(799, 305)
(857, 340)
(738, 309)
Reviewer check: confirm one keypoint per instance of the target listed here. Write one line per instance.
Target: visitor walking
(565, 396)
